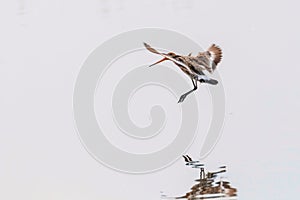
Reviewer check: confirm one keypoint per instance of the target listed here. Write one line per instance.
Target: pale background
(44, 43)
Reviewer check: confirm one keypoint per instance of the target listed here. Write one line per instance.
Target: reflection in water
(209, 185)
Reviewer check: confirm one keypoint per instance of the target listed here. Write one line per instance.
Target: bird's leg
(181, 99)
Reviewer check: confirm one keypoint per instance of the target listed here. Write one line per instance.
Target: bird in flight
(193, 66)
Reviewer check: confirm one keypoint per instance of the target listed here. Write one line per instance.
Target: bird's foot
(181, 99)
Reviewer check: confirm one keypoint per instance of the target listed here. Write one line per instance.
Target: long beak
(159, 61)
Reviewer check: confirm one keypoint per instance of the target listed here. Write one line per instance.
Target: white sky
(44, 43)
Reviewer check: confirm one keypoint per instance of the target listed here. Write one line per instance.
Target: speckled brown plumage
(193, 66)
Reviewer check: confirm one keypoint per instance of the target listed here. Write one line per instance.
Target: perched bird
(193, 66)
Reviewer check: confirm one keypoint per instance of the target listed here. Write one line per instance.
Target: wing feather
(149, 48)
(215, 54)
(210, 58)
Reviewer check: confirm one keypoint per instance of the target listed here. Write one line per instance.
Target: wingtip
(217, 54)
(215, 45)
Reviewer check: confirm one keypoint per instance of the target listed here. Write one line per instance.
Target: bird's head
(167, 57)
(171, 54)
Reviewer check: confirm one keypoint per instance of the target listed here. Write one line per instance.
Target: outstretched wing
(210, 58)
(151, 49)
(215, 54)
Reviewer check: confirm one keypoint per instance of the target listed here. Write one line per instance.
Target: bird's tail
(212, 81)
(206, 79)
